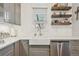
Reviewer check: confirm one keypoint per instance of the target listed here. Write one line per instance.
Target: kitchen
(39, 29)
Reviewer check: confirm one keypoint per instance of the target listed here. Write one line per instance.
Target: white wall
(75, 29)
(50, 31)
(26, 20)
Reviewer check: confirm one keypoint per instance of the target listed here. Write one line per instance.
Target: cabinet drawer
(75, 43)
(39, 53)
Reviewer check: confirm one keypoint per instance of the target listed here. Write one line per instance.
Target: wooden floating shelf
(61, 16)
(62, 23)
(60, 9)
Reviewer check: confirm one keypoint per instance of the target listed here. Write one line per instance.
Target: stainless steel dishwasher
(59, 48)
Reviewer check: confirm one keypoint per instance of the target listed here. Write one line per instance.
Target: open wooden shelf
(61, 16)
(67, 23)
(61, 9)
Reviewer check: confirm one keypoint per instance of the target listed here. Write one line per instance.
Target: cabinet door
(24, 48)
(7, 51)
(16, 48)
(74, 48)
(17, 14)
(39, 50)
(12, 13)
(53, 48)
(9, 13)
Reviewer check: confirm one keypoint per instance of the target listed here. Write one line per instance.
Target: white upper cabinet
(10, 13)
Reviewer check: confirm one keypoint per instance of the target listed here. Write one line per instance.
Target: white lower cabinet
(39, 50)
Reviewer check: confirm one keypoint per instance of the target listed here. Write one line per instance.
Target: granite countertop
(34, 41)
